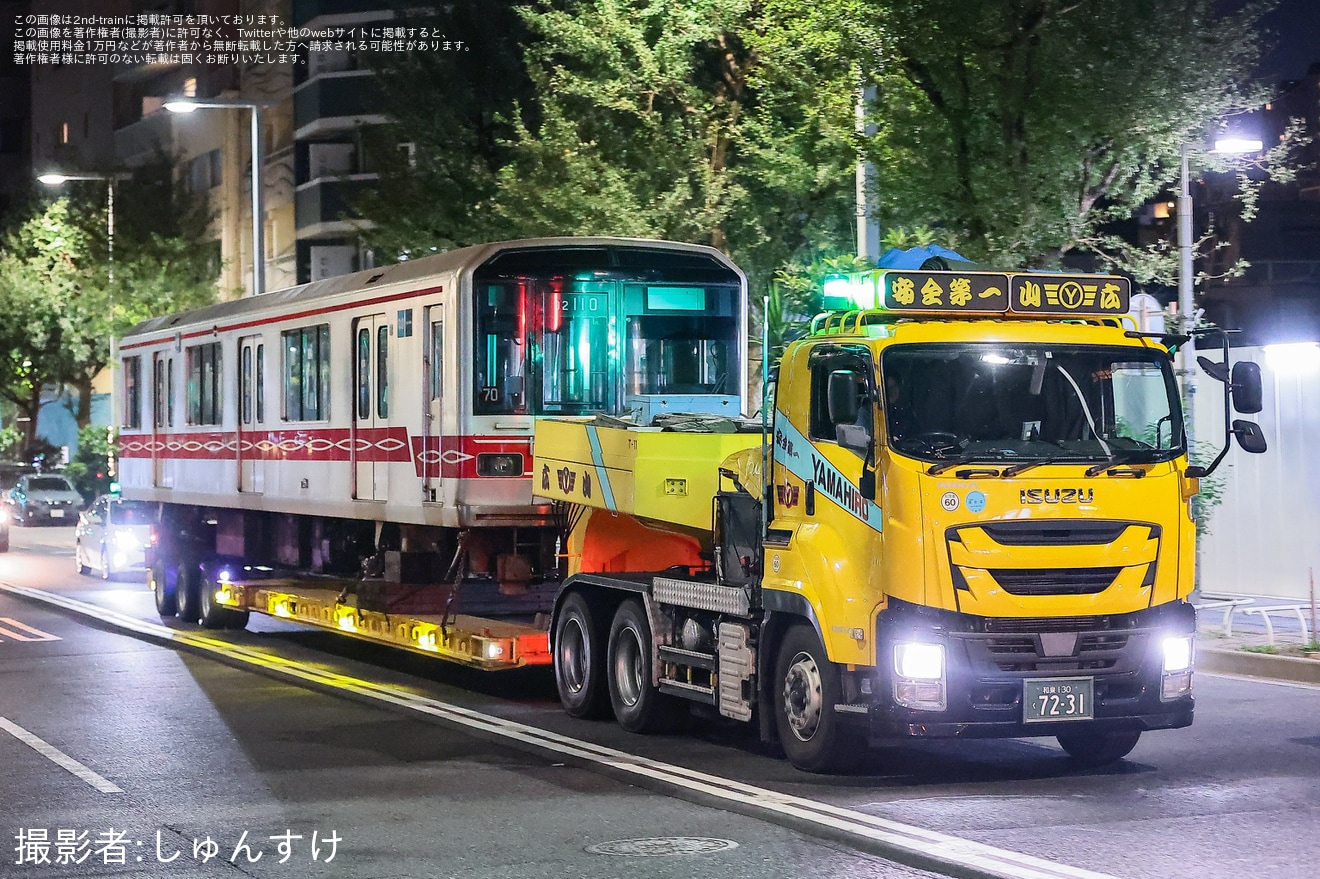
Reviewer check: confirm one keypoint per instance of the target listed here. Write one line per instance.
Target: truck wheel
(213, 616)
(1098, 749)
(167, 604)
(806, 687)
(187, 595)
(579, 659)
(638, 706)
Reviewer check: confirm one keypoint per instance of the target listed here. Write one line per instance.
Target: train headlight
(500, 465)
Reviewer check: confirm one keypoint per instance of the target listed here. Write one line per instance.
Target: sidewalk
(1222, 651)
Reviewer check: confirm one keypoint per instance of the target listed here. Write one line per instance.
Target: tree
(60, 305)
(679, 119)
(1025, 126)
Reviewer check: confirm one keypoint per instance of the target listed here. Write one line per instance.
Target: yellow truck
(966, 513)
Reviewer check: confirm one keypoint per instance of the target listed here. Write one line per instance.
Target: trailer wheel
(212, 615)
(638, 706)
(806, 689)
(1099, 749)
(579, 659)
(187, 596)
(167, 604)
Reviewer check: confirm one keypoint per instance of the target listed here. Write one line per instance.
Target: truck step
(690, 658)
(694, 692)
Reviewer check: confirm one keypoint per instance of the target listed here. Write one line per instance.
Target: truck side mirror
(1249, 435)
(842, 396)
(1247, 394)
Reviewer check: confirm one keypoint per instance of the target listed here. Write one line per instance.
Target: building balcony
(336, 102)
(322, 207)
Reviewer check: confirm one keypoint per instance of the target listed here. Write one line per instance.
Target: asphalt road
(204, 748)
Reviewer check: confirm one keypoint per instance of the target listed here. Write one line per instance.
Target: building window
(62, 135)
(204, 369)
(132, 414)
(190, 87)
(307, 373)
(216, 159)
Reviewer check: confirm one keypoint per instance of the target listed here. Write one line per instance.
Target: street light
(1186, 278)
(54, 178)
(188, 105)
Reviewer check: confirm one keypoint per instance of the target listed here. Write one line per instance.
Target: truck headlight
(1176, 682)
(919, 676)
(1177, 654)
(919, 661)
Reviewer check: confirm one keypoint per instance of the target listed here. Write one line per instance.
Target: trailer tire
(1099, 749)
(213, 616)
(167, 604)
(639, 706)
(579, 659)
(187, 595)
(806, 689)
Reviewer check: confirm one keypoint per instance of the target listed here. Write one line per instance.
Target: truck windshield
(1013, 402)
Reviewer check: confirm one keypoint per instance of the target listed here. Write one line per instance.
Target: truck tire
(217, 616)
(806, 689)
(579, 659)
(187, 595)
(638, 706)
(167, 604)
(1099, 749)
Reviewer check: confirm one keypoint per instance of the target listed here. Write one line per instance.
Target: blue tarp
(913, 258)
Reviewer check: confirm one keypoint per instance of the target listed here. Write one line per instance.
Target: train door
(251, 414)
(433, 365)
(371, 343)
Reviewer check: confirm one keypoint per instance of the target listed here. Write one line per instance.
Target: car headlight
(919, 661)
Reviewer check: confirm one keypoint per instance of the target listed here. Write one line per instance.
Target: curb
(1258, 665)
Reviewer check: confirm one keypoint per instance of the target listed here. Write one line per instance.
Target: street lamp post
(188, 105)
(1186, 271)
(54, 178)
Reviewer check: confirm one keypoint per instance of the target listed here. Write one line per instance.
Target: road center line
(39, 635)
(915, 846)
(58, 757)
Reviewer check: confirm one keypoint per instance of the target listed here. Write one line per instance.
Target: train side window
(245, 387)
(261, 384)
(364, 373)
(169, 392)
(132, 414)
(204, 389)
(382, 372)
(306, 373)
(437, 358)
(158, 393)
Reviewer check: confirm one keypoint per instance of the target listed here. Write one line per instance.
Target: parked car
(44, 497)
(112, 535)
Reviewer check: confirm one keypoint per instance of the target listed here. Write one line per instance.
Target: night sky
(1292, 41)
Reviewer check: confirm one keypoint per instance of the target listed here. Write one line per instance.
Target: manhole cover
(662, 846)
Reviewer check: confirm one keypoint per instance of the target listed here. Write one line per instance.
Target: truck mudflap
(1008, 678)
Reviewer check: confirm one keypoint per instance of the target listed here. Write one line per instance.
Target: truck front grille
(1054, 581)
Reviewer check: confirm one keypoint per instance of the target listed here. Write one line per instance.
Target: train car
(378, 425)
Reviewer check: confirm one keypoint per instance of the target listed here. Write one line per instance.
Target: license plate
(57, 514)
(1047, 699)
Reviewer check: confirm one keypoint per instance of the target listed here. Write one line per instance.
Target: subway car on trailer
(355, 452)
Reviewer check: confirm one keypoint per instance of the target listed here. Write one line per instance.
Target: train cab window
(204, 384)
(132, 414)
(306, 373)
(435, 367)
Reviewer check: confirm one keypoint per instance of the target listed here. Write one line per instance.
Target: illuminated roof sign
(972, 293)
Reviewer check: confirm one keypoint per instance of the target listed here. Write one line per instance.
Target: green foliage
(11, 444)
(90, 468)
(1213, 487)
(61, 303)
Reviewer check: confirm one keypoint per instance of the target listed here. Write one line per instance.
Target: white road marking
(40, 635)
(58, 757)
(916, 846)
